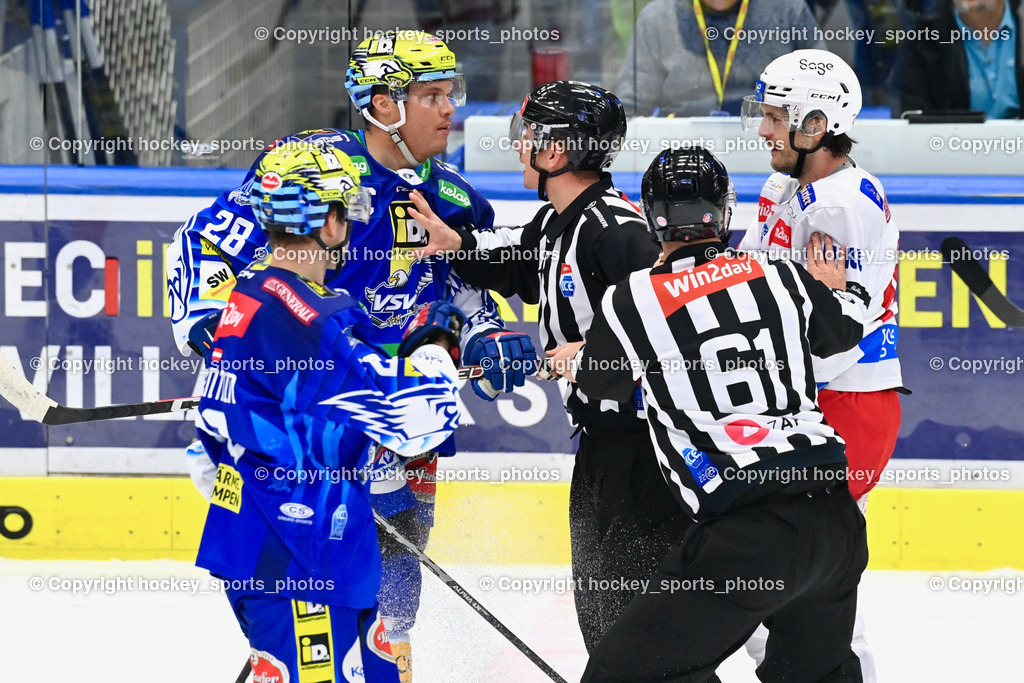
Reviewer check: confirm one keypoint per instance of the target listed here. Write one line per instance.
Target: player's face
(774, 129)
(428, 118)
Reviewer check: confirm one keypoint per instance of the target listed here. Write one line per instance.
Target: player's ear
(383, 107)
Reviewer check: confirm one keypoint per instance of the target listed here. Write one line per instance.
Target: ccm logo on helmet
(821, 67)
(827, 96)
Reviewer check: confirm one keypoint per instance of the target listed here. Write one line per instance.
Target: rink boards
(86, 319)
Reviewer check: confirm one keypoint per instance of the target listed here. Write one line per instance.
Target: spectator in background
(983, 70)
(682, 59)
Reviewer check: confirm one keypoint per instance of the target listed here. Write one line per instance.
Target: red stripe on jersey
(299, 308)
(675, 290)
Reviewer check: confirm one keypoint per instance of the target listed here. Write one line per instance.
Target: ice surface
(158, 636)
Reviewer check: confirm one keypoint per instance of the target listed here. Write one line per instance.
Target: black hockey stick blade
(960, 258)
(246, 670)
(469, 599)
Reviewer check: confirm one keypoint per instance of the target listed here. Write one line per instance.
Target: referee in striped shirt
(721, 343)
(587, 237)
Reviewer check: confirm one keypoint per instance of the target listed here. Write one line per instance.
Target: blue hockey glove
(507, 358)
(200, 336)
(437, 320)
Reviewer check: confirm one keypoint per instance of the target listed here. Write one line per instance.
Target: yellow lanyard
(716, 76)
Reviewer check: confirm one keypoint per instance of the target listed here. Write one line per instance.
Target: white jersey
(850, 206)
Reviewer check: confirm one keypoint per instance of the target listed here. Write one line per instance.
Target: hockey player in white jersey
(804, 105)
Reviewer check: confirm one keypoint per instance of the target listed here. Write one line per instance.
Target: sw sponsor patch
(215, 281)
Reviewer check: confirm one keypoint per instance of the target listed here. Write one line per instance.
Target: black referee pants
(793, 563)
(622, 520)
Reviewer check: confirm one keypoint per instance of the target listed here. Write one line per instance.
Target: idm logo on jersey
(700, 466)
(566, 285)
(408, 233)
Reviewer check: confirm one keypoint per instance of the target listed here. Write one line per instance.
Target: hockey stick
(460, 591)
(963, 263)
(39, 407)
(469, 599)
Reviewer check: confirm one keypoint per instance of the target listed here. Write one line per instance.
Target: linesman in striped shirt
(721, 344)
(584, 239)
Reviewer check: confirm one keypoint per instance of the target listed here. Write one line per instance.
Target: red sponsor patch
(271, 181)
(885, 207)
(746, 432)
(299, 308)
(675, 290)
(216, 355)
(266, 668)
(566, 269)
(764, 209)
(781, 235)
(234, 321)
(377, 640)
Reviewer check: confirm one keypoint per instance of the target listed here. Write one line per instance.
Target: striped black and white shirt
(566, 262)
(722, 344)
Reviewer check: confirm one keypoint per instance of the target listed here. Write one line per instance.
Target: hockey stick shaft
(961, 259)
(20, 393)
(469, 599)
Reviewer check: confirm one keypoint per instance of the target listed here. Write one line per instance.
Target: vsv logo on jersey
(566, 284)
(782, 235)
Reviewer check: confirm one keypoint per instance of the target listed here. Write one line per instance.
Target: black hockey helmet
(589, 118)
(687, 195)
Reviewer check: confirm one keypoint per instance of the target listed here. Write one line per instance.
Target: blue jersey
(295, 396)
(380, 272)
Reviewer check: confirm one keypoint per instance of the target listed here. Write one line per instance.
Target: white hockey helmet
(808, 84)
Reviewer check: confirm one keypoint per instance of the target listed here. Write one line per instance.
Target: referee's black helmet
(687, 195)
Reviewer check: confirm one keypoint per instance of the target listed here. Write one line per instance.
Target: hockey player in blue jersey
(406, 87)
(296, 395)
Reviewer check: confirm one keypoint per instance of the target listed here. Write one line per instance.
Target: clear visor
(433, 96)
(523, 134)
(751, 113)
(360, 206)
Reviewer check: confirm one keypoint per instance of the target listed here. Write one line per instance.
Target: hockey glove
(507, 358)
(200, 336)
(435, 321)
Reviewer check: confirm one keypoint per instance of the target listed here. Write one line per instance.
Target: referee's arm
(604, 368)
